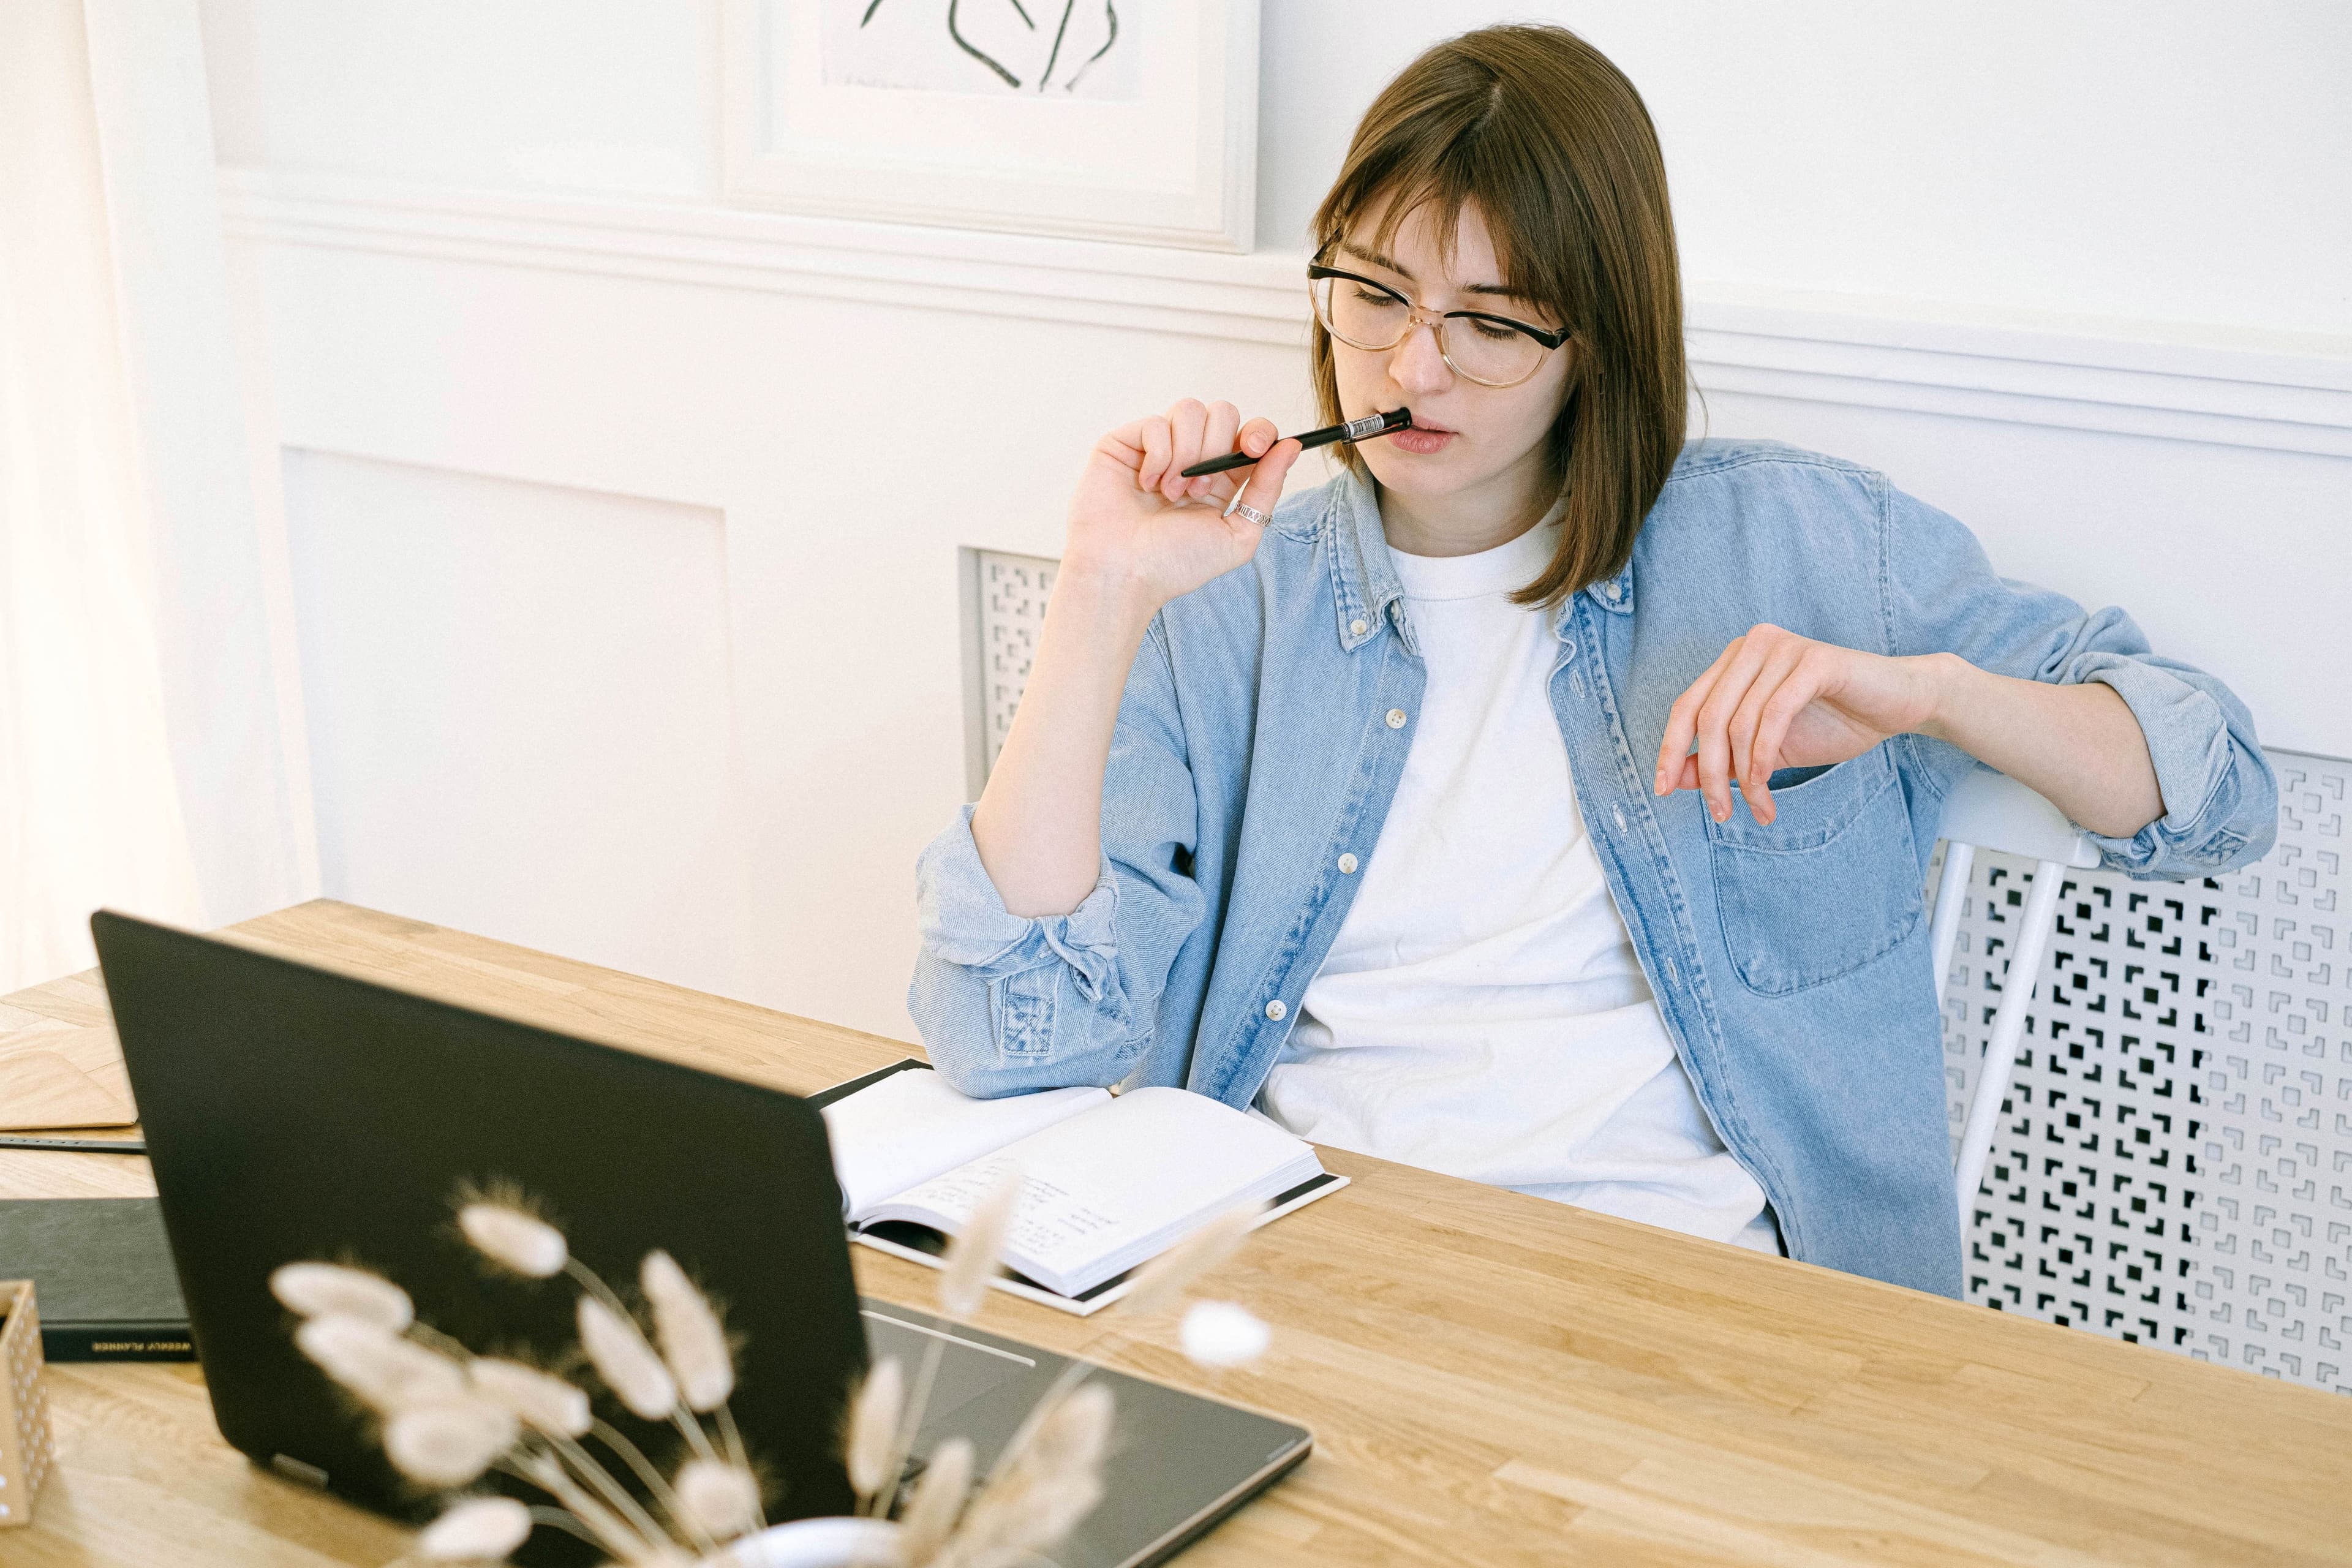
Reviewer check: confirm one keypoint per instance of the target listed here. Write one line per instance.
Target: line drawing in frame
(1074, 52)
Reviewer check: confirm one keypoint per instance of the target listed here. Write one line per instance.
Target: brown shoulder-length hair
(1552, 142)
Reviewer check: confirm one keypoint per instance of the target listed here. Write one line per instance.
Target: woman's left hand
(1775, 699)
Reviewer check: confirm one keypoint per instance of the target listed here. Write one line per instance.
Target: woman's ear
(1571, 357)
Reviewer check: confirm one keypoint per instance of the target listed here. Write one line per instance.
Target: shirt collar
(1614, 595)
(1364, 585)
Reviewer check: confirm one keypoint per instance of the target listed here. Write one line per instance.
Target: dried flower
(383, 1369)
(938, 1500)
(973, 1256)
(1045, 1490)
(1074, 1432)
(691, 1339)
(874, 1428)
(536, 1398)
(317, 1290)
(617, 1348)
(721, 1498)
(513, 1239)
(479, 1529)
(448, 1443)
(1162, 1282)
(1223, 1333)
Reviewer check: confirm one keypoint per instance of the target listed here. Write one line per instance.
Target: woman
(1545, 800)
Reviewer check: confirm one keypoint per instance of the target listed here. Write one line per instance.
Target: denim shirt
(1265, 724)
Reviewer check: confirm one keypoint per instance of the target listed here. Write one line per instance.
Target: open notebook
(1108, 1182)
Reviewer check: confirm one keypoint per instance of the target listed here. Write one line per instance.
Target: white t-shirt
(1481, 1011)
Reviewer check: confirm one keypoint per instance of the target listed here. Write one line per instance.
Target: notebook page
(912, 1126)
(1105, 1191)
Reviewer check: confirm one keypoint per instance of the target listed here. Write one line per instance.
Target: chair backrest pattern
(1003, 614)
(2173, 1162)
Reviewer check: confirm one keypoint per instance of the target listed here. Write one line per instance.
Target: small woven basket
(26, 1450)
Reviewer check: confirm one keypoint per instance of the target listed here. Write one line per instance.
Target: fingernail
(1722, 812)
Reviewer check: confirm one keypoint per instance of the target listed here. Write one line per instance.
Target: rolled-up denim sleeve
(1007, 1004)
(2221, 796)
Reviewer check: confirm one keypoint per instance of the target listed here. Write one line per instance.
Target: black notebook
(102, 1278)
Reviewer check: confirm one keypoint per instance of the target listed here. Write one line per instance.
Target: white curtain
(142, 759)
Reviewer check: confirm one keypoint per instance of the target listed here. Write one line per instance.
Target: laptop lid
(295, 1113)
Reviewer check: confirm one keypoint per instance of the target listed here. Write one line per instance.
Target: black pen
(1353, 430)
(78, 1145)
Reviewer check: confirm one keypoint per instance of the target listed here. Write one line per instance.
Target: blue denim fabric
(1265, 722)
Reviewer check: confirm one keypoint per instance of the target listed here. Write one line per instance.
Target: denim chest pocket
(1826, 887)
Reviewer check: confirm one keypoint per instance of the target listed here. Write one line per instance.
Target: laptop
(292, 1113)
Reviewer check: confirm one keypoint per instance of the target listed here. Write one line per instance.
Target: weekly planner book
(1109, 1182)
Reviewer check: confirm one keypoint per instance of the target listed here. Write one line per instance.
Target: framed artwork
(1129, 120)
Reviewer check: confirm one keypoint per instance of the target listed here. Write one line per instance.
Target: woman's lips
(1421, 440)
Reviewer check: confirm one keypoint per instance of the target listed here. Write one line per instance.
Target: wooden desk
(1493, 1379)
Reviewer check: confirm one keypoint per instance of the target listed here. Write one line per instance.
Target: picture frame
(1091, 118)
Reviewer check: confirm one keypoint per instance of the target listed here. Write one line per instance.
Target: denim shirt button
(1347, 864)
(1614, 591)
(1396, 718)
(1358, 626)
(1276, 1010)
(1622, 826)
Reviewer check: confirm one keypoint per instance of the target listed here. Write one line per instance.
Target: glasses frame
(1417, 316)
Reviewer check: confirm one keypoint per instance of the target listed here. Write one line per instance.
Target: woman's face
(1464, 437)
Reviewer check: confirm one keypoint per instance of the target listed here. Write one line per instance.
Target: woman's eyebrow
(1390, 263)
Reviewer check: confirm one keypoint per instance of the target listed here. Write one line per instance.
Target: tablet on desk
(294, 1113)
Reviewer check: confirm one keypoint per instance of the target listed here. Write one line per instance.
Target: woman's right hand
(1138, 527)
(1139, 536)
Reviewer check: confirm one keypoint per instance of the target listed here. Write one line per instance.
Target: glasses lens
(1359, 314)
(1490, 352)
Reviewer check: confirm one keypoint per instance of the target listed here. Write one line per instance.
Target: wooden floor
(1493, 1379)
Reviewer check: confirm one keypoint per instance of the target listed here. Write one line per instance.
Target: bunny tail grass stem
(635, 1458)
(910, 1426)
(558, 1519)
(585, 1467)
(611, 1532)
(588, 1279)
(1072, 1375)
(736, 1455)
(432, 1338)
(691, 1428)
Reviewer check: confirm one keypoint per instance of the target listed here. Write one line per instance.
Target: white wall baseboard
(2242, 389)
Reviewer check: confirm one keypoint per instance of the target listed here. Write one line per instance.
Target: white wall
(2172, 160)
(554, 411)
(616, 95)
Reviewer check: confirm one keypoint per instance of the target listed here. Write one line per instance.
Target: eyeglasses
(1493, 351)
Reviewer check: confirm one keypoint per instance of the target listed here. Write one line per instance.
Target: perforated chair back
(1992, 811)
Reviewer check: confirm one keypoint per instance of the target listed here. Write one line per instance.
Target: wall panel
(521, 707)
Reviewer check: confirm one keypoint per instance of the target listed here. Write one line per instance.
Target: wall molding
(2276, 392)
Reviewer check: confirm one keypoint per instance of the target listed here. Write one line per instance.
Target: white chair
(1992, 811)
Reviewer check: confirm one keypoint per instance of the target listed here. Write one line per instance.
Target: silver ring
(1244, 509)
